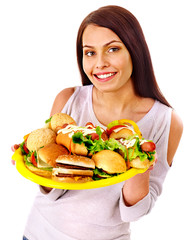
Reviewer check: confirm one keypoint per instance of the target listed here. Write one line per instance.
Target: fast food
(67, 153)
(73, 169)
(40, 151)
(108, 164)
(58, 120)
(39, 138)
(140, 153)
(82, 140)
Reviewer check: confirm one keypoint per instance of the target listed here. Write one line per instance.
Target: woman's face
(106, 60)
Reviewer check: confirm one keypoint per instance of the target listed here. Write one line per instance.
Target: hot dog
(140, 153)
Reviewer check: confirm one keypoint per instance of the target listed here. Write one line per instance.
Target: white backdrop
(37, 60)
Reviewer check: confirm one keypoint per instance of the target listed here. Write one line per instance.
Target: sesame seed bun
(39, 138)
(59, 119)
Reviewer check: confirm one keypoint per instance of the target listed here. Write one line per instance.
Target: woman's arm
(61, 99)
(137, 187)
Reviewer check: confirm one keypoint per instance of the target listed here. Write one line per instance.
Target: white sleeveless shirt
(99, 214)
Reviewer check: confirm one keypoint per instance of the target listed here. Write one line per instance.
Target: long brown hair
(126, 26)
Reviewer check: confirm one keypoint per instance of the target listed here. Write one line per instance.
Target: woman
(118, 82)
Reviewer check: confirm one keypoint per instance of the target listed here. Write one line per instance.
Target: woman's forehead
(96, 35)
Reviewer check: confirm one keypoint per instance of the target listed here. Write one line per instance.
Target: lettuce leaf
(93, 146)
(113, 144)
(100, 174)
(48, 120)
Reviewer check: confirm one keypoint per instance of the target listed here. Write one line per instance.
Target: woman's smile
(104, 76)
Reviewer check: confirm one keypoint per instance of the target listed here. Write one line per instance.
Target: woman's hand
(137, 187)
(14, 148)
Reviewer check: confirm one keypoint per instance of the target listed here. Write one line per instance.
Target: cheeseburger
(40, 151)
(73, 169)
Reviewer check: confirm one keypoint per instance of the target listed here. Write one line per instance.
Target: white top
(99, 214)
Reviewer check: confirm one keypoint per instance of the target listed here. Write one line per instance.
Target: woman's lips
(105, 76)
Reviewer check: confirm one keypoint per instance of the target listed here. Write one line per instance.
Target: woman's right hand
(14, 148)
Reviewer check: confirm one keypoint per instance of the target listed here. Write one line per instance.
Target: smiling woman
(106, 61)
(118, 83)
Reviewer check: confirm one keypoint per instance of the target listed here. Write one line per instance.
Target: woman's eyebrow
(105, 45)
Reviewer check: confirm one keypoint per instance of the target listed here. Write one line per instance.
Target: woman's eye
(89, 53)
(113, 49)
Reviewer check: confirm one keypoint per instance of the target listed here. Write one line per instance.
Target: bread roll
(137, 163)
(78, 179)
(40, 172)
(110, 161)
(51, 152)
(59, 119)
(75, 148)
(123, 133)
(40, 138)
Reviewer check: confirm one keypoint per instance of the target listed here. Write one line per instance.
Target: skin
(114, 97)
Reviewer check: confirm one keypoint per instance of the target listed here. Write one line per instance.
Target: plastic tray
(20, 166)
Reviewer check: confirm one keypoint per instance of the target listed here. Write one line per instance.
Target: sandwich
(139, 153)
(40, 151)
(83, 141)
(108, 164)
(58, 120)
(73, 169)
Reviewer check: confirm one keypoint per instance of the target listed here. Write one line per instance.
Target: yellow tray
(21, 168)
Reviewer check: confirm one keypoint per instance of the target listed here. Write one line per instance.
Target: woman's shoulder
(61, 99)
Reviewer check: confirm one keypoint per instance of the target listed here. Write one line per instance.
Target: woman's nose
(101, 62)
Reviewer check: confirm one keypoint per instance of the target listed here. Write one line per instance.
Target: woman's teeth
(102, 76)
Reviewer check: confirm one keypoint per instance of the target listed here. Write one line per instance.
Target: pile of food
(69, 153)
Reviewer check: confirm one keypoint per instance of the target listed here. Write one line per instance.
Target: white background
(37, 60)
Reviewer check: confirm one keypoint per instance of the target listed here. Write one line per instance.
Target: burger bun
(40, 138)
(59, 119)
(110, 161)
(50, 153)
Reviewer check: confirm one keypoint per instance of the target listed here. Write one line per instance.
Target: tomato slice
(33, 160)
(25, 148)
(109, 131)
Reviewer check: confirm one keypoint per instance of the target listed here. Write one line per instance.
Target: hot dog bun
(123, 133)
(137, 163)
(75, 148)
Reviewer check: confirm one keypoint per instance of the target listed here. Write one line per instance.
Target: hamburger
(108, 164)
(73, 169)
(40, 151)
(58, 120)
(39, 138)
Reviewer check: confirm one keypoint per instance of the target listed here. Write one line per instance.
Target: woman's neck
(124, 98)
(124, 103)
